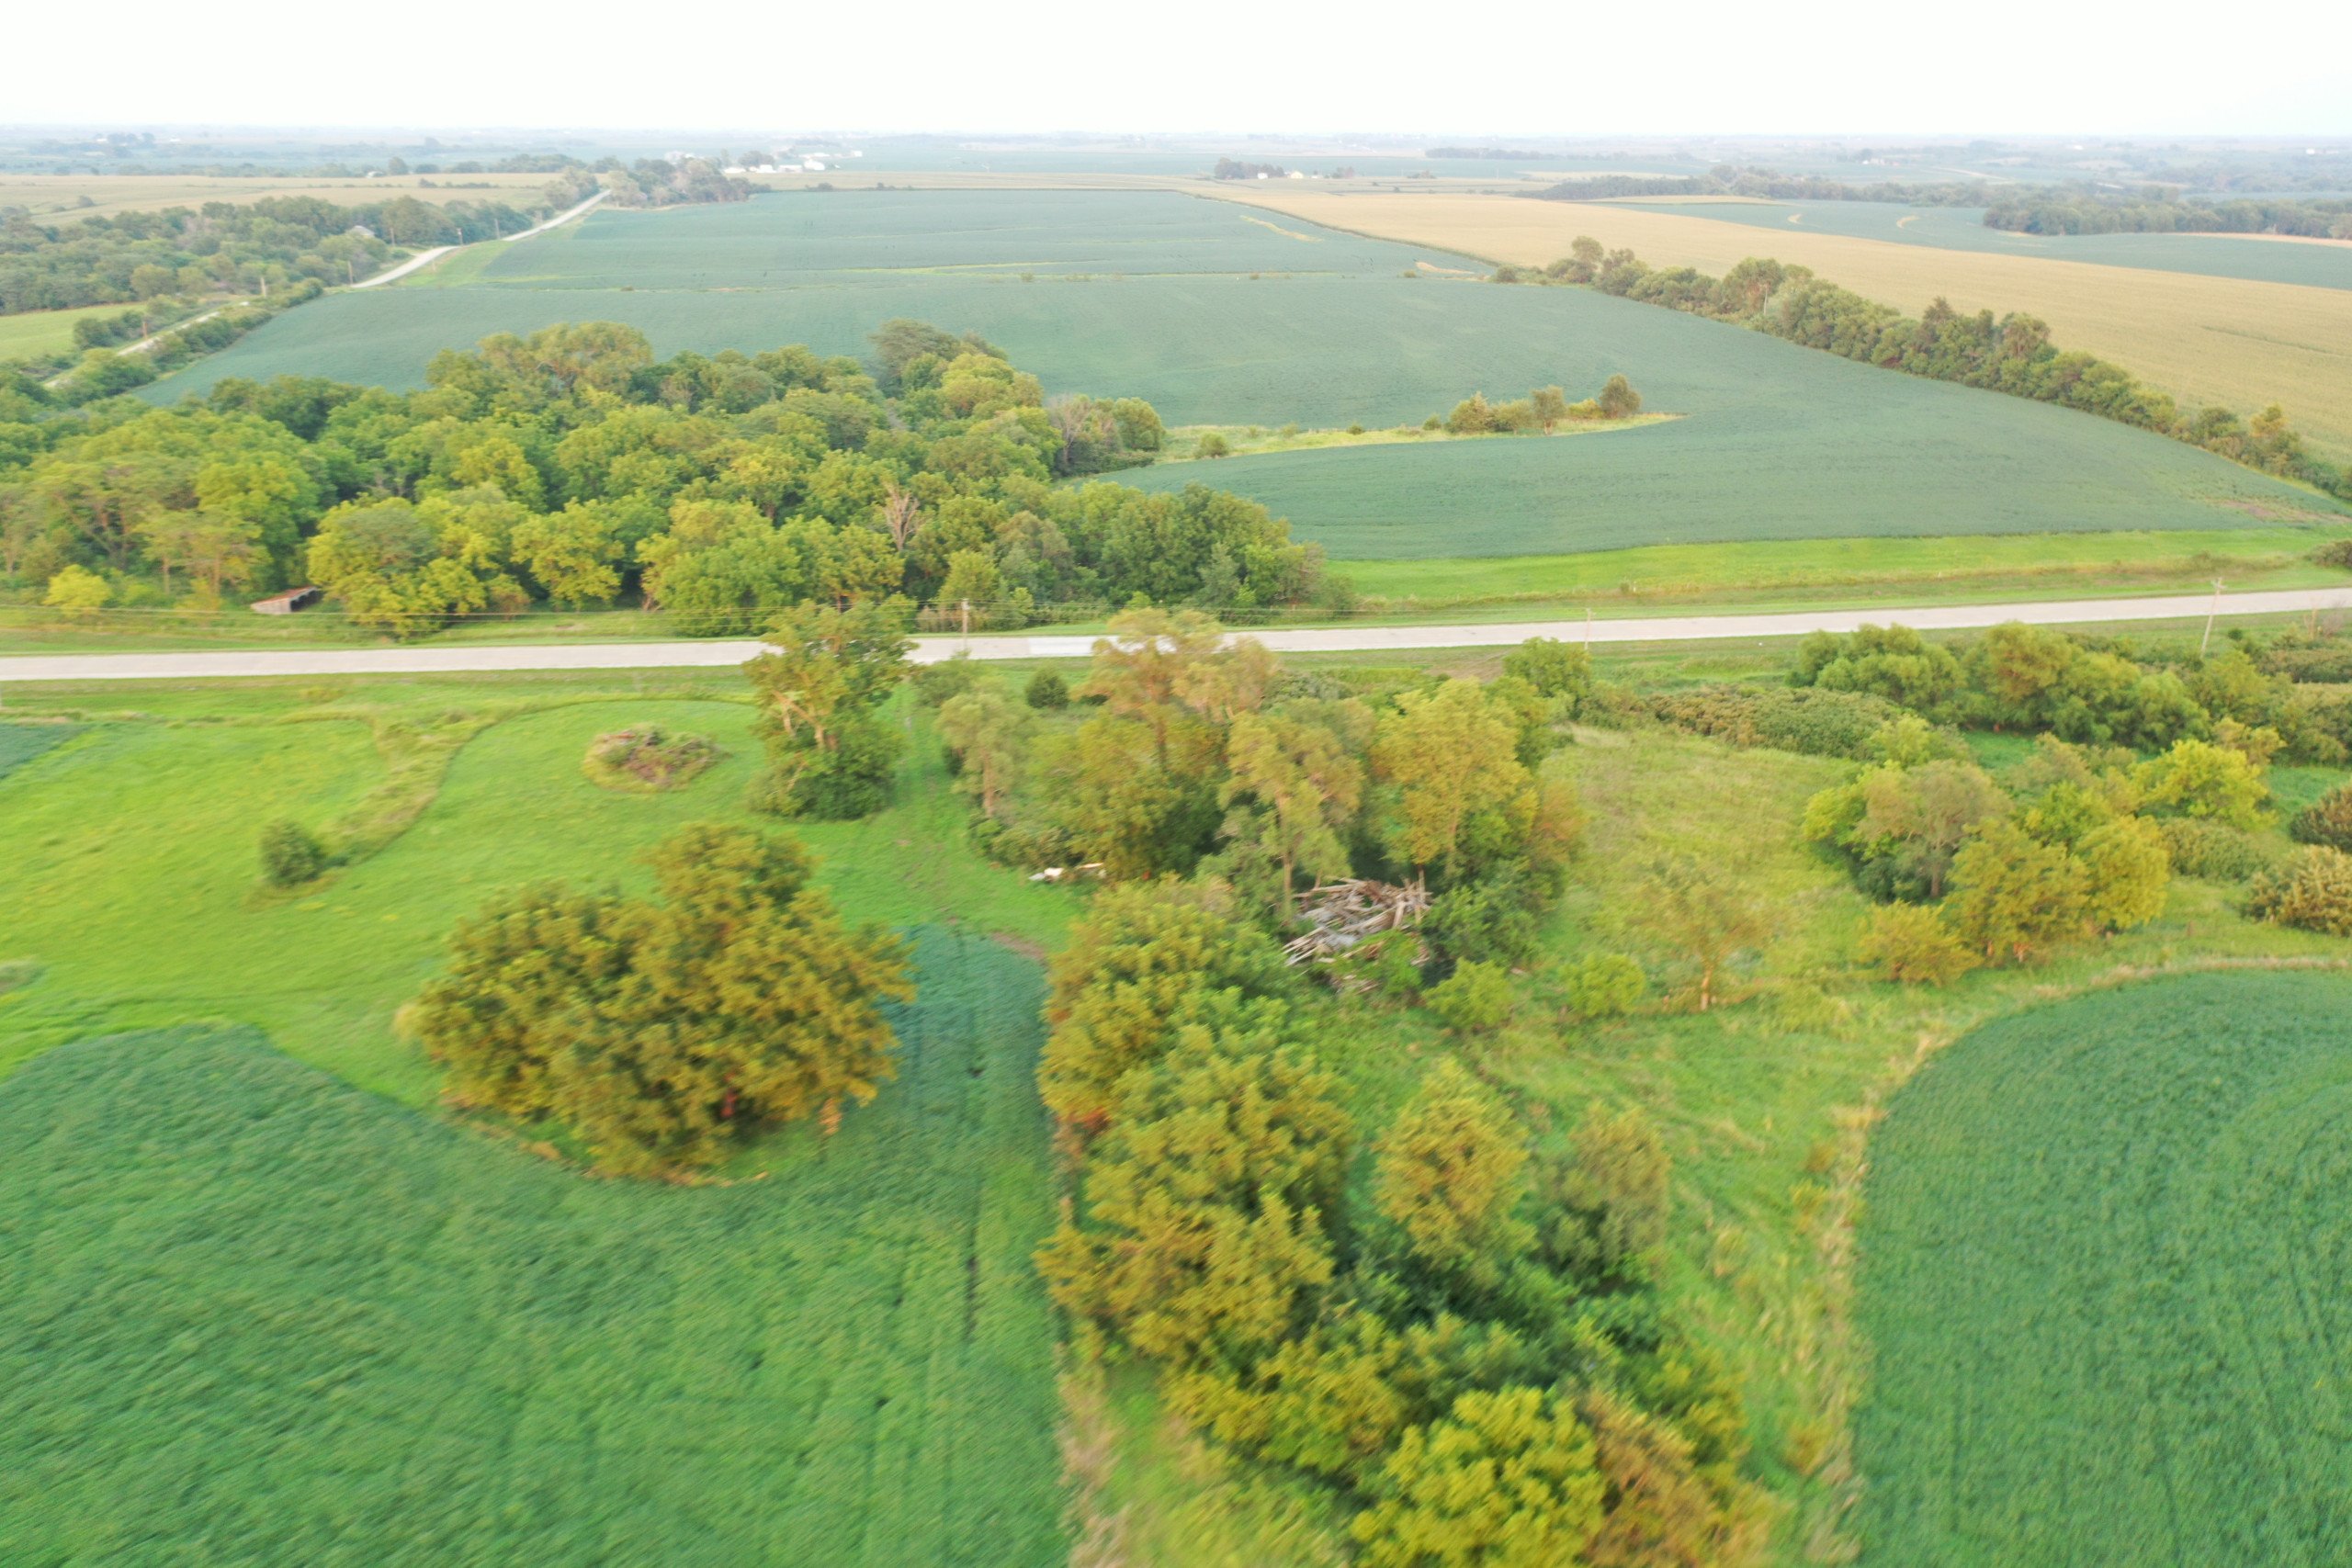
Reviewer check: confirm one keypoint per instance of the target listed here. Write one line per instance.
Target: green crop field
(2106, 1276)
(420, 1343)
(278, 1319)
(2319, 263)
(1154, 294)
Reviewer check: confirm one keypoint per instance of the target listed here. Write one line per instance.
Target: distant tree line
(572, 467)
(2088, 212)
(1235, 169)
(1729, 179)
(2009, 354)
(1518, 152)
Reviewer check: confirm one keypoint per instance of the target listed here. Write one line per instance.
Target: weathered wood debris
(1344, 917)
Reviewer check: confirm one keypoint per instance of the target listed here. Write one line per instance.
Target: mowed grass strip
(2104, 1270)
(254, 1314)
(2044, 563)
(2229, 341)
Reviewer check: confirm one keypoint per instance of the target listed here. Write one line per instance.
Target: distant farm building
(286, 604)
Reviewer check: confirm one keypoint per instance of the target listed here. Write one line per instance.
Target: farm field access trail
(1328, 640)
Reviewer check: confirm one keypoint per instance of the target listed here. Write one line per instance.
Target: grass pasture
(2104, 1272)
(276, 1319)
(1223, 317)
(2202, 339)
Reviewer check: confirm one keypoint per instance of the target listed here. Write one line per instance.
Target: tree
(572, 555)
(661, 1030)
(1203, 1233)
(216, 548)
(1618, 400)
(2126, 869)
(1703, 912)
(1559, 671)
(1449, 758)
(1608, 1203)
(2016, 896)
(989, 731)
(1143, 953)
(1549, 405)
(1917, 818)
(1450, 1173)
(1659, 1510)
(816, 688)
(1507, 1480)
(2197, 778)
(1306, 784)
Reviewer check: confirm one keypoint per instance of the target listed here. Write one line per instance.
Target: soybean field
(1225, 314)
(256, 1314)
(2107, 1283)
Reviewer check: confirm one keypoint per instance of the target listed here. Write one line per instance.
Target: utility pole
(2216, 610)
(1588, 631)
(967, 625)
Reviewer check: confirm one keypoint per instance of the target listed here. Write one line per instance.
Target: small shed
(286, 604)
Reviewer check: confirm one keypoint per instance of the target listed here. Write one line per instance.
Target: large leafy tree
(658, 1029)
(1450, 1174)
(1449, 758)
(1306, 785)
(1144, 956)
(1204, 1214)
(818, 688)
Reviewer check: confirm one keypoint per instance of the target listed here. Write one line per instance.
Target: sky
(1700, 67)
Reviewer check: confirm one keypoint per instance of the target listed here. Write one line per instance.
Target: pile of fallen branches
(1352, 917)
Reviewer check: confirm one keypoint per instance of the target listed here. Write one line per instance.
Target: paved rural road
(426, 258)
(1328, 640)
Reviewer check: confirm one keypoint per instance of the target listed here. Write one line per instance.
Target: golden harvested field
(2202, 339)
(58, 196)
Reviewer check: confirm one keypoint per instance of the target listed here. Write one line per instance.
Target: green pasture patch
(2107, 1283)
(254, 1314)
(133, 861)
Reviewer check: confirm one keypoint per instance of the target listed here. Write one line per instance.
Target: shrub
(648, 759)
(1047, 690)
(1491, 921)
(2212, 851)
(951, 677)
(17, 972)
(1557, 669)
(1474, 998)
(1910, 943)
(1817, 722)
(2313, 891)
(77, 591)
(2327, 820)
(290, 854)
(1604, 984)
(2336, 552)
(1214, 445)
